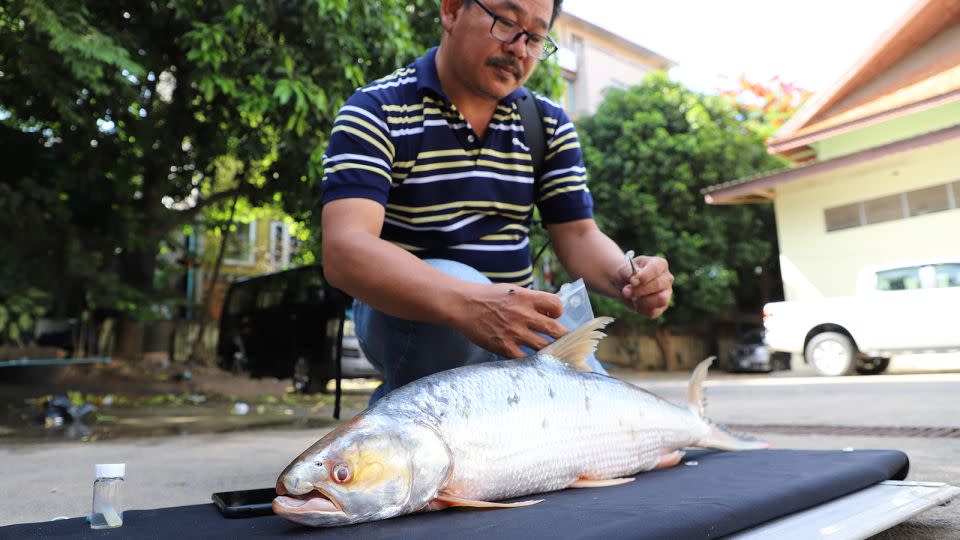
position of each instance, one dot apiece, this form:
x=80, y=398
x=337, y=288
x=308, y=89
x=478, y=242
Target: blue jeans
x=405, y=351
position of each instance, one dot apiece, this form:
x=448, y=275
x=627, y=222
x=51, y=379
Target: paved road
x=54, y=479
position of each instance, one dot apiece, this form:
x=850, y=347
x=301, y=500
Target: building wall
x=816, y=263
x=602, y=60
x=605, y=68
x=264, y=255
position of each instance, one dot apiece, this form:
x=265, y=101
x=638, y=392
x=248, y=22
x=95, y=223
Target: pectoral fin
x=670, y=460
x=587, y=483
x=444, y=500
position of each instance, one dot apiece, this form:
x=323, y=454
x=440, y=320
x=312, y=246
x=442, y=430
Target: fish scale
x=486, y=432
x=501, y=449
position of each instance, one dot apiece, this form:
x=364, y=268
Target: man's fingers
x=659, y=283
x=546, y=325
x=648, y=269
x=506, y=348
x=547, y=303
x=512, y=351
x=534, y=341
x=653, y=305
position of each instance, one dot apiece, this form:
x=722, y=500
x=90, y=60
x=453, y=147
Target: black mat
x=723, y=493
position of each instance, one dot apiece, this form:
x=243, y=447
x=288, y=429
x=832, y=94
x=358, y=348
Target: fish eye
x=341, y=473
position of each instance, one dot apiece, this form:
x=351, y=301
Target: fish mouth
x=316, y=501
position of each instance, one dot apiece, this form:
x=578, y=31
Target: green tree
x=649, y=151
x=135, y=111
x=135, y=121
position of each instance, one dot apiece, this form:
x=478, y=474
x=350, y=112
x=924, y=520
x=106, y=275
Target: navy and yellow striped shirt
x=399, y=141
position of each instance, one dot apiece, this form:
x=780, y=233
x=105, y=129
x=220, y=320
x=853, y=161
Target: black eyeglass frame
x=547, y=40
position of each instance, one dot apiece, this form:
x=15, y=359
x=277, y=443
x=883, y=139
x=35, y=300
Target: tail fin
x=695, y=391
x=722, y=439
x=718, y=437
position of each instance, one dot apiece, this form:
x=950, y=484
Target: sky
x=811, y=43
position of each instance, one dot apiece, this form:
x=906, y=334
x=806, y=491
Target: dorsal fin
x=574, y=347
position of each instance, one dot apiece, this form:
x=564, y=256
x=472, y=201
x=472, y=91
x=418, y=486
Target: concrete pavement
x=55, y=479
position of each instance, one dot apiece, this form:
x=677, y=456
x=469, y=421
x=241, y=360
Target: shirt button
x=471, y=138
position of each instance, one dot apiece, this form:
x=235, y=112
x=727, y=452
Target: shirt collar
x=428, y=79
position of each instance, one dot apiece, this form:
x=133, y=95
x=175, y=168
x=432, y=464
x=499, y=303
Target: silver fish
x=481, y=433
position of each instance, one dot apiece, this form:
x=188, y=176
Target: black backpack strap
x=532, y=118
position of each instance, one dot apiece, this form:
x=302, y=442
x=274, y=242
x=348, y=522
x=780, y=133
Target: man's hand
x=648, y=291
x=500, y=318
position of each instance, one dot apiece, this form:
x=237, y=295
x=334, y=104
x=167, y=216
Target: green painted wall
x=886, y=132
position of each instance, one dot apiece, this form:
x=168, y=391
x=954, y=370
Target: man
x=428, y=195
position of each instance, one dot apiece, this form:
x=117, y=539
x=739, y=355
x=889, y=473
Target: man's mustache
x=499, y=61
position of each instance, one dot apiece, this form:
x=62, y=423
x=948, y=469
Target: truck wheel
x=831, y=354
x=306, y=379
x=874, y=365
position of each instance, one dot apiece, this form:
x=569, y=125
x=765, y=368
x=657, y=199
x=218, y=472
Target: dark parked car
x=285, y=325
x=751, y=353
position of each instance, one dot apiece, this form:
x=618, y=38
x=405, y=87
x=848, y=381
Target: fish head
x=367, y=469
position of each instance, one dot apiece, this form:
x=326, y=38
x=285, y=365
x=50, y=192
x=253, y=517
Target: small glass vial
x=107, y=508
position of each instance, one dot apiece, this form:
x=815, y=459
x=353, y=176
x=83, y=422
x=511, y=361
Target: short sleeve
x=359, y=157
x=562, y=193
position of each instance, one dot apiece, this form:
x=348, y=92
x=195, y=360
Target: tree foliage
x=650, y=150
x=765, y=106
x=128, y=122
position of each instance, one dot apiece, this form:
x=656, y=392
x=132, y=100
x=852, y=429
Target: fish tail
x=718, y=436
x=695, y=396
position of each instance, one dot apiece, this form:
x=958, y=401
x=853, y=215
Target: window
x=241, y=300
x=576, y=45
x=271, y=293
x=309, y=286
x=946, y=275
x=899, y=279
x=884, y=209
x=241, y=243
x=928, y=200
x=279, y=244
x=843, y=217
x=619, y=85
x=571, y=95
x=892, y=207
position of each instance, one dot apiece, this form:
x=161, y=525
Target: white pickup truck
x=903, y=309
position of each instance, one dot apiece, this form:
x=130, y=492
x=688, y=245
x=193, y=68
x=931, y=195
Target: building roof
x=845, y=106
x=825, y=113
x=759, y=188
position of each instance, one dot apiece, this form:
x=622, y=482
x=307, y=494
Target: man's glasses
x=509, y=31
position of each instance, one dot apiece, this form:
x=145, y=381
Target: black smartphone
x=245, y=503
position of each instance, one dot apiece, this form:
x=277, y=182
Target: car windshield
x=899, y=279
x=946, y=275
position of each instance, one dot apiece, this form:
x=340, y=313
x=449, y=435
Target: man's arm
x=585, y=251
x=497, y=317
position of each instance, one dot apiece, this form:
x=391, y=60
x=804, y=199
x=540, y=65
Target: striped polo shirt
x=449, y=195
